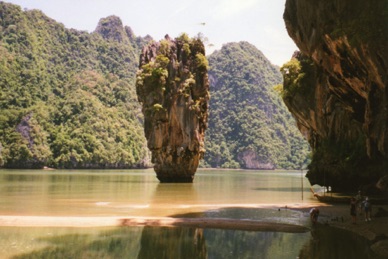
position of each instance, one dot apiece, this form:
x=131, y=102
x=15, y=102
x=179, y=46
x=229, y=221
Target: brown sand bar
x=62, y=221
x=220, y=223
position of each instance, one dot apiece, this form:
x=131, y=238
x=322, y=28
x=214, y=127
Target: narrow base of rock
x=175, y=179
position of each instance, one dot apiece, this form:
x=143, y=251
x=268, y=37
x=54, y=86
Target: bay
x=241, y=194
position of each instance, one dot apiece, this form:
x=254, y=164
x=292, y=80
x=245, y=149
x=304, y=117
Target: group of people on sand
x=357, y=204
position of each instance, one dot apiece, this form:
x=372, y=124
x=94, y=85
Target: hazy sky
x=259, y=22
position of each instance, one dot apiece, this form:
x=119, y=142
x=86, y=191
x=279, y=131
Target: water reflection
x=327, y=242
x=133, y=193
x=117, y=243
x=246, y=244
x=166, y=243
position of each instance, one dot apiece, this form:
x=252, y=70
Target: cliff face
x=336, y=88
x=172, y=85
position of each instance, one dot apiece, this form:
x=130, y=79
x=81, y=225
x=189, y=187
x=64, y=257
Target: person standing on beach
x=367, y=209
x=314, y=213
x=353, y=211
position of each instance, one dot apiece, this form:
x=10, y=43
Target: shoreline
x=331, y=215
x=85, y=222
x=374, y=231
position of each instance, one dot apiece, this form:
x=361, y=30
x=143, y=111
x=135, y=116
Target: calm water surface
x=139, y=193
x=214, y=193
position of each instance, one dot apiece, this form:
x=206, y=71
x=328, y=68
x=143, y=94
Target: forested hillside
x=249, y=125
x=67, y=97
x=68, y=100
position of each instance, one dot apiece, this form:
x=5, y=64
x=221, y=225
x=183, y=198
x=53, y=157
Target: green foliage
x=74, y=94
x=78, y=89
x=186, y=49
x=164, y=48
x=247, y=115
x=201, y=62
x=153, y=77
x=184, y=37
x=292, y=76
x=298, y=75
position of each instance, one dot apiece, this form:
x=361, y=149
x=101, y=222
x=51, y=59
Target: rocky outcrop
x=28, y=154
x=382, y=184
x=24, y=128
x=172, y=85
x=336, y=88
x=111, y=28
x=252, y=160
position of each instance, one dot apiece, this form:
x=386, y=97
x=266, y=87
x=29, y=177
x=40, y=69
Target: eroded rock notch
x=172, y=85
x=336, y=88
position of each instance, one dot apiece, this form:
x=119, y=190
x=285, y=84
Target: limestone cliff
x=172, y=85
x=336, y=88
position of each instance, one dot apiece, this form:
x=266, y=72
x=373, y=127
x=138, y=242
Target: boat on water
x=330, y=198
x=345, y=199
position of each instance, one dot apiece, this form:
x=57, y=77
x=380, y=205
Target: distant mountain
x=68, y=97
x=68, y=100
x=249, y=125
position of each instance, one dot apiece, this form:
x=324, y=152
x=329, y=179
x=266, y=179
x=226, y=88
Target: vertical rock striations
x=172, y=85
x=336, y=87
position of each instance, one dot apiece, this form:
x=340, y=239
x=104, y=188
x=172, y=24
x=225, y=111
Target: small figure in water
x=353, y=210
x=314, y=213
x=367, y=209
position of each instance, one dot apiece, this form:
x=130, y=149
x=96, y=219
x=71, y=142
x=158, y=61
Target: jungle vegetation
x=68, y=99
x=247, y=115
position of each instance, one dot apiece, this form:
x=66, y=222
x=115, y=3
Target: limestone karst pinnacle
x=173, y=87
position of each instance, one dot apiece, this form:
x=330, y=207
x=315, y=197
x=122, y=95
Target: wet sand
x=220, y=223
